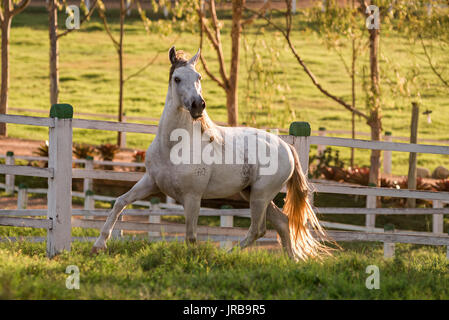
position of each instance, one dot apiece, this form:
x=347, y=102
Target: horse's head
x=185, y=83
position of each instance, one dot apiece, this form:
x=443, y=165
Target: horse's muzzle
x=197, y=108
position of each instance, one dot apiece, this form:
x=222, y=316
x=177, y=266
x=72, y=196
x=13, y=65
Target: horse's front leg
x=192, y=204
x=142, y=189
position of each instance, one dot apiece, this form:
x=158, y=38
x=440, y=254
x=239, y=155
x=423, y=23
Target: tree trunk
x=120, y=59
x=354, y=57
x=375, y=117
x=54, y=51
x=232, y=92
x=6, y=27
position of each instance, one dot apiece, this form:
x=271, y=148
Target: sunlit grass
x=140, y=270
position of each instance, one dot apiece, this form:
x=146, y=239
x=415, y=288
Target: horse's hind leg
x=280, y=222
x=258, y=203
x=142, y=189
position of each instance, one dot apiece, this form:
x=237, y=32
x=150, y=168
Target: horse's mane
x=210, y=128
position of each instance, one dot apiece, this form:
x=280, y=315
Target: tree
x=53, y=6
x=119, y=48
x=373, y=117
x=9, y=10
x=335, y=23
x=427, y=24
x=212, y=30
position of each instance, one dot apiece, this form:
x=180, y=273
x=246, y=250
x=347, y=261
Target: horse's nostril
x=203, y=104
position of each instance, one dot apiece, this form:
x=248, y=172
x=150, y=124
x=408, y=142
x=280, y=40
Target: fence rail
x=60, y=173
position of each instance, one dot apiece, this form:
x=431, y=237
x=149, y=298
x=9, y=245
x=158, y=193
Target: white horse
x=188, y=183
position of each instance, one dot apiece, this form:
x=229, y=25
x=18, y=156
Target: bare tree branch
x=432, y=66
x=20, y=7
x=286, y=33
x=108, y=30
x=261, y=11
x=86, y=17
x=203, y=62
x=135, y=74
x=216, y=41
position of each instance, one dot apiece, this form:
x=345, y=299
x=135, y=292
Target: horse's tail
x=301, y=216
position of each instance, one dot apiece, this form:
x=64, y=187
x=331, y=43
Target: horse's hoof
x=97, y=250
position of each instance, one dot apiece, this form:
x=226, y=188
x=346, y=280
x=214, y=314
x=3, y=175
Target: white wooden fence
x=58, y=220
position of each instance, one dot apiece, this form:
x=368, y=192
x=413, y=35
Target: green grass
x=141, y=270
x=89, y=81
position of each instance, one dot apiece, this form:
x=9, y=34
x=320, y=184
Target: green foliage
x=107, y=151
x=83, y=150
x=329, y=158
x=263, y=65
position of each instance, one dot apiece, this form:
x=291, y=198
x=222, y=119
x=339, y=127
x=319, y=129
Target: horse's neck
x=175, y=117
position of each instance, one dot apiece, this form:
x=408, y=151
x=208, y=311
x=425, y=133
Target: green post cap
x=155, y=200
x=226, y=206
x=372, y=184
x=389, y=227
x=61, y=111
x=388, y=133
x=89, y=158
x=23, y=186
x=10, y=154
x=322, y=129
x=299, y=129
x=89, y=193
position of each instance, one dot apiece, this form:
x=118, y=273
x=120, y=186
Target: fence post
x=322, y=133
x=117, y=233
x=154, y=219
x=437, y=219
x=169, y=200
x=89, y=202
x=22, y=197
x=301, y=131
x=228, y=222
x=411, y=203
x=387, y=153
x=88, y=182
x=9, y=178
x=59, y=236
x=371, y=202
x=389, y=247
x=123, y=134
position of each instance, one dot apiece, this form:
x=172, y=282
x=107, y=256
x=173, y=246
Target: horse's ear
x=172, y=55
x=195, y=58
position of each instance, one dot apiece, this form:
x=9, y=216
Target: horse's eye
x=199, y=77
x=177, y=80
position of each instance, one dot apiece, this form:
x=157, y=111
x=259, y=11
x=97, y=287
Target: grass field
x=139, y=270
x=89, y=80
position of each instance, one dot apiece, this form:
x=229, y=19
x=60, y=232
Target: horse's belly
x=227, y=180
